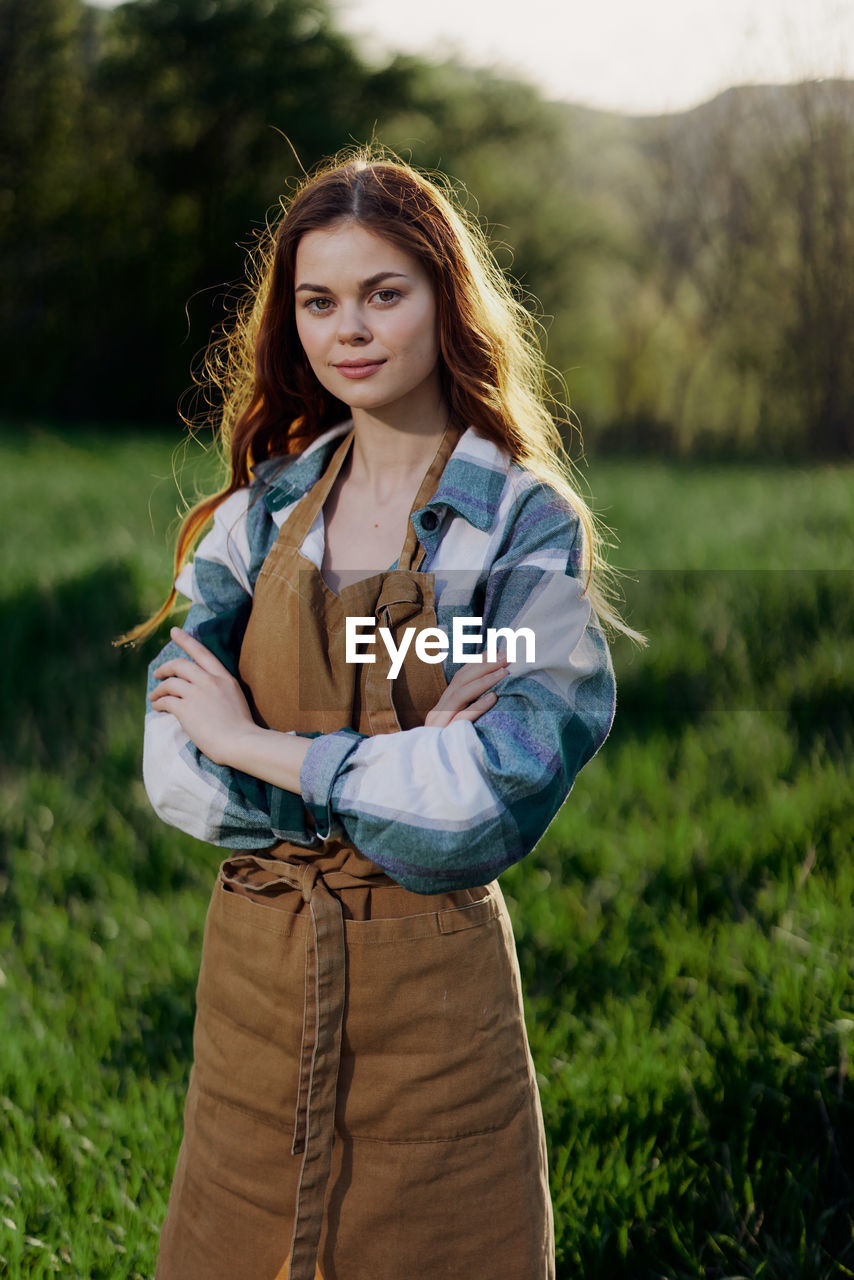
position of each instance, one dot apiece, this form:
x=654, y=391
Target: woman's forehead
x=352, y=252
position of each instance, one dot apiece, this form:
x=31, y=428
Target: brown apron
x=362, y=1104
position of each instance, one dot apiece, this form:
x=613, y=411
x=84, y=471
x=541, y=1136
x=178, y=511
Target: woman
x=363, y=1101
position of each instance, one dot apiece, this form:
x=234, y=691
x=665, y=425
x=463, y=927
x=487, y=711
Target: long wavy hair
x=494, y=377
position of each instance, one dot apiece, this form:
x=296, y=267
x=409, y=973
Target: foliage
x=745, y=221
x=684, y=928
x=692, y=272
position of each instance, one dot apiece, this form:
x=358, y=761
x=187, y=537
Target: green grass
x=694, y=516
x=685, y=927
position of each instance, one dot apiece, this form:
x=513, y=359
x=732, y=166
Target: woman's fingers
x=170, y=687
x=465, y=694
x=471, y=681
x=183, y=667
x=197, y=652
x=478, y=678
x=166, y=702
x=477, y=708
x=205, y=699
x=198, y=690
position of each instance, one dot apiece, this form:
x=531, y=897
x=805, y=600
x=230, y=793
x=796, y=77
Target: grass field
x=685, y=928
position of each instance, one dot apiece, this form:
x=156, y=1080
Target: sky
x=637, y=56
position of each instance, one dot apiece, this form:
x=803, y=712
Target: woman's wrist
x=269, y=755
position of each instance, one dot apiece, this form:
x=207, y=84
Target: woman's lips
x=360, y=370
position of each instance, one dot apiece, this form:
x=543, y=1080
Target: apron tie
x=320, y=1051
x=405, y=596
x=400, y=599
x=308, y=877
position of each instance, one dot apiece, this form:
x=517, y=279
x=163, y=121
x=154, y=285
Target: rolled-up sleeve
x=215, y=803
x=440, y=809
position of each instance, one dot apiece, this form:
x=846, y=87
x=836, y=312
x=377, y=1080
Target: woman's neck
x=388, y=455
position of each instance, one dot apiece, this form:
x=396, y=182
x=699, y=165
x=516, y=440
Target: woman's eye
x=318, y=305
x=386, y=295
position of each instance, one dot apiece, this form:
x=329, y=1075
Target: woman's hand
x=204, y=698
x=469, y=693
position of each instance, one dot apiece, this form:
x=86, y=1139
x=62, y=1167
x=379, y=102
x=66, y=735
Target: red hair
x=493, y=374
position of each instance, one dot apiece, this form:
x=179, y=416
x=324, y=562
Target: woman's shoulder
x=518, y=492
x=281, y=480
x=483, y=453
x=481, y=478
x=505, y=514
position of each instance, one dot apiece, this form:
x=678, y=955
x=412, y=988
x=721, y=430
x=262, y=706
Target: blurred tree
x=194, y=97
x=145, y=174
x=699, y=221
x=814, y=199
x=44, y=46
x=747, y=228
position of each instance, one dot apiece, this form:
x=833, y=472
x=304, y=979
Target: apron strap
x=412, y=548
x=305, y=512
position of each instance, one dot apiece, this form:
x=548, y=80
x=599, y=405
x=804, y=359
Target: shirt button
x=429, y=520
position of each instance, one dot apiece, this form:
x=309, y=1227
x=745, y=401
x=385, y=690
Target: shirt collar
x=471, y=483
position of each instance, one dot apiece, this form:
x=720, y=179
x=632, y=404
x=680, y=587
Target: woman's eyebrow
x=366, y=284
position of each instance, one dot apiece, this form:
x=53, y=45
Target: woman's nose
x=353, y=325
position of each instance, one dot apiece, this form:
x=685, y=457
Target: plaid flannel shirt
x=436, y=808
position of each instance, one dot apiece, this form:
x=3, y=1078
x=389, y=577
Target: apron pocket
x=249, y=1007
x=434, y=1044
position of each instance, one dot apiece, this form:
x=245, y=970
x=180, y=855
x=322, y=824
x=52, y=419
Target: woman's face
x=366, y=318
